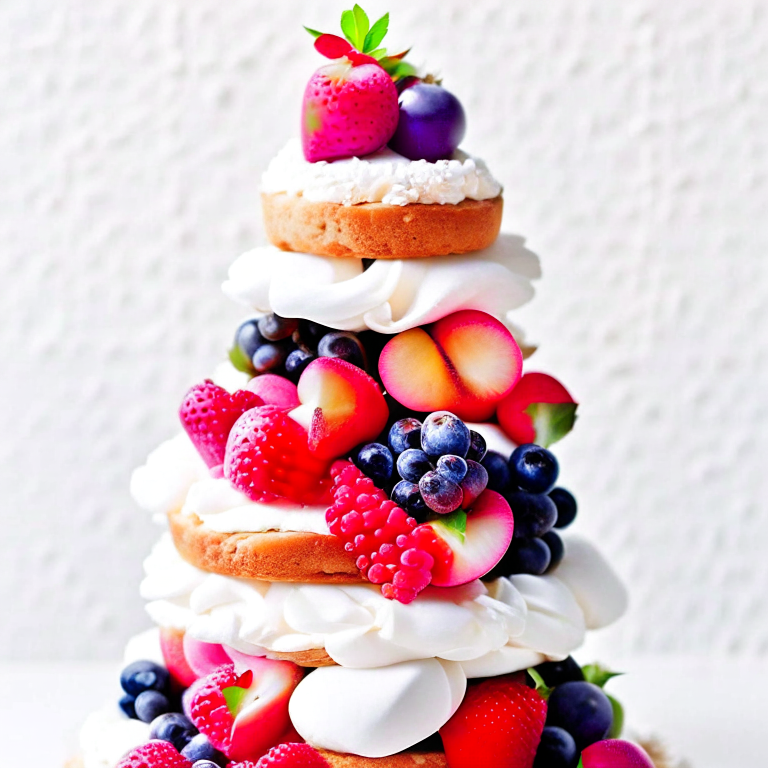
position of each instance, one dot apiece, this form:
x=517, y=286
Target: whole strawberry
x=292, y=756
x=350, y=107
x=498, y=725
x=268, y=457
x=154, y=754
x=208, y=413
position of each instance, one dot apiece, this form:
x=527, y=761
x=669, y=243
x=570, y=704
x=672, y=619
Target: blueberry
x=248, y=339
x=375, y=461
x=477, y=446
x=556, y=549
x=533, y=468
x=557, y=749
x=200, y=749
x=128, y=704
x=404, y=434
x=439, y=493
x=452, y=467
x=524, y=556
x=296, y=362
x=173, y=727
x=151, y=704
x=141, y=676
x=558, y=672
x=583, y=710
x=534, y=513
x=207, y=764
x=412, y=464
x=275, y=328
x=566, y=506
x=408, y=497
x=498, y=471
x=309, y=334
x=343, y=345
x=444, y=433
x=474, y=482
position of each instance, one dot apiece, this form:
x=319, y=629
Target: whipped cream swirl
x=391, y=295
x=383, y=177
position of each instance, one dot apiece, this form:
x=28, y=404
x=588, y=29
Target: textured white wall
x=631, y=138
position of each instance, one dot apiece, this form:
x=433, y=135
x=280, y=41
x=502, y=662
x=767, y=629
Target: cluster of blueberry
x=437, y=463
x=286, y=346
x=527, y=481
x=579, y=713
x=149, y=697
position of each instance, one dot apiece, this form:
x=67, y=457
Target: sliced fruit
x=478, y=540
x=341, y=407
x=538, y=410
x=465, y=363
x=204, y=658
x=615, y=753
x=172, y=646
x=275, y=390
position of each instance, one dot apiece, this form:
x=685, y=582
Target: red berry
x=390, y=548
x=208, y=413
x=268, y=457
x=498, y=725
x=289, y=756
x=154, y=754
x=208, y=708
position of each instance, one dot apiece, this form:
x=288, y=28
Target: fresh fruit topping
x=404, y=434
x=172, y=647
x=474, y=483
x=583, y=710
x=557, y=749
x=274, y=390
x=204, y=658
x=341, y=407
x=408, y=496
x=207, y=414
x=464, y=363
x=477, y=540
x=477, y=446
x=535, y=513
x=268, y=456
x=211, y=764
x=375, y=461
x=244, y=715
x=566, y=506
x=534, y=469
x=154, y=754
x=275, y=328
x=523, y=556
x=140, y=676
x=538, y=410
x=445, y=434
x=498, y=725
x=292, y=756
x=556, y=549
x=151, y=704
x=440, y=494
x=555, y=673
x=453, y=468
x=431, y=124
x=497, y=467
x=345, y=346
x=174, y=727
x=614, y=753
x=413, y=464
x=269, y=357
x=381, y=535
x=199, y=749
x=296, y=362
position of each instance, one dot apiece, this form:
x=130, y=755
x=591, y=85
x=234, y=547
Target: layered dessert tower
x=364, y=563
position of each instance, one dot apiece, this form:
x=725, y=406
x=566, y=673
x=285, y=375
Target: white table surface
x=711, y=711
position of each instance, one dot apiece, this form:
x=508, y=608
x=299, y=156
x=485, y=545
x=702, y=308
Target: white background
x=631, y=139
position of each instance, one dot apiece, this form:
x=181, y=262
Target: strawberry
x=498, y=725
x=208, y=413
x=208, y=708
x=291, y=756
x=268, y=456
x=154, y=754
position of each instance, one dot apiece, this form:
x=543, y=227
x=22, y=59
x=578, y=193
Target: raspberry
x=390, y=548
x=208, y=709
x=290, y=756
x=208, y=413
x=154, y=754
x=268, y=456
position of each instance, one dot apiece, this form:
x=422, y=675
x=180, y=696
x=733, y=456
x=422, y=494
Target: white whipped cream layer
x=383, y=177
x=390, y=296
x=107, y=735
x=507, y=625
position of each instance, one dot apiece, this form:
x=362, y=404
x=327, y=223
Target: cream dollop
x=383, y=177
x=492, y=629
x=107, y=735
x=391, y=295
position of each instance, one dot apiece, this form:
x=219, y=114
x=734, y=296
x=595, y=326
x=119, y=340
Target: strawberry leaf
x=332, y=46
x=397, y=69
x=378, y=54
x=598, y=675
x=618, y=718
x=362, y=25
x=456, y=522
x=234, y=696
x=376, y=34
x=552, y=421
x=239, y=360
x=581, y=763
x=541, y=687
x=313, y=32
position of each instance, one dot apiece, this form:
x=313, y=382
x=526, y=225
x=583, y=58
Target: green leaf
x=379, y=53
x=313, y=32
x=552, y=421
x=348, y=25
x=396, y=68
x=456, y=523
x=598, y=675
x=362, y=25
x=581, y=763
x=541, y=687
x=376, y=34
x=618, y=718
x=239, y=360
x=234, y=696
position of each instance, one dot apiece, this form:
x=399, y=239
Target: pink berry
x=154, y=754
x=291, y=756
